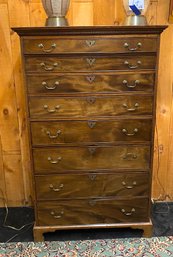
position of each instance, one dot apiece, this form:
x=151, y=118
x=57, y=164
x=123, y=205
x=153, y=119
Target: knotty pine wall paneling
x=163, y=121
x=15, y=177
x=12, y=171
x=82, y=12
x=158, y=13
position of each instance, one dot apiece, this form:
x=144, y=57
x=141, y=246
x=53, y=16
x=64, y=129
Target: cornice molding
x=88, y=30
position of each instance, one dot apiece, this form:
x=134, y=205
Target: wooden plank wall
x=15, y=178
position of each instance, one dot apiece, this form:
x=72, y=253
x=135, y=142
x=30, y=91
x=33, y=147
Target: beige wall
x=15, y=181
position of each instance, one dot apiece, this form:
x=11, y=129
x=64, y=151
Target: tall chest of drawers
x=91, y=94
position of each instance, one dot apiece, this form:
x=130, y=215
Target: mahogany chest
x=91, y=97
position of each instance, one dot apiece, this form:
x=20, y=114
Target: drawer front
x=90, y=158
x=47, y=107
x=91, y=185
x=94, y=63
x=90, y=131
x=95, y=211
x=90, y=83
x=89, y=45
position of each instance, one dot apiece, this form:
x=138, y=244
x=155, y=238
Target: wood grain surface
x=89, y=63
x=92, y=185
x=89, y=44
x=91, y=132
x=89, y=106
x=90, y=83
x=62, y=159
x=91, y=211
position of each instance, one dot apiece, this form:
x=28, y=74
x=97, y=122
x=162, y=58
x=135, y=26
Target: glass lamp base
x=56, y=22
x=135, y=20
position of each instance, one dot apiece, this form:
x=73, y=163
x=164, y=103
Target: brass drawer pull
x=44, y=83
x=127, y=186
x=130, y=134
x=57, y=215
x=90, y=43
x=48, y=68
x=90, y=61
x=128, y=213
x=52, y=47
x=51, y=186
x=53, y=136
x=131, y=109
x=139, y=44
x=130, y=156
x=136, y=82
x=46, y=107
x=131, y=66
x=53, y=161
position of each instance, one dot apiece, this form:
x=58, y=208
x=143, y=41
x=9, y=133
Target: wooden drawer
x=92, y=185
x=90, y=83
x=57, y=64
x=90, y=106
x=95, y=211
x=53, y=160
x=90, y=131
x=43, y=45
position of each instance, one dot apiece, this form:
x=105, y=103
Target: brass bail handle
x=56, y=189
x=128, y=213
x=133, y=66
x=48, y=50
x=129, y=186
x=48, y=67
x=136, y=82
x=50, y=87
x=129, y=134
x=132, y=49
x=130, y=156
x=131, y=109
x=57, y=215
x=58, y=133
x=47, y=108
x=54, y=161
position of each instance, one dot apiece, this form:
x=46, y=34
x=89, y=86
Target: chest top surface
x=88, y=30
